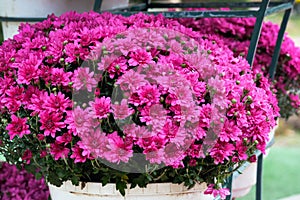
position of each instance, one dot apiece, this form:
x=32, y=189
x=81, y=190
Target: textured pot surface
x=161, y=191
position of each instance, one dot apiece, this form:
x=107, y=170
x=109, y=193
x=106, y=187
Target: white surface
x=244, y=182
x=160, y=191
x=41, y=8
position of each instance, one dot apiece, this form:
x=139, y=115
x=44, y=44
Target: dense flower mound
x=20, y=185
x=89, y=96
x=236, y=33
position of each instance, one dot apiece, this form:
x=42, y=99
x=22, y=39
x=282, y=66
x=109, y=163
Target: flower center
x=18, y=127
x=49, y=124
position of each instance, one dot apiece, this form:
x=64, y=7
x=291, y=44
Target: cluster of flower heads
x=101, y=86
x=236, y=34
x=20, y=185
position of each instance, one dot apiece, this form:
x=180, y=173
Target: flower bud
x=117, y=67
x=165, y=36
x=258, y=76
x=252, y=158
x=233, y=101
x=183, y=65
x=161, y=99
x=249, y=98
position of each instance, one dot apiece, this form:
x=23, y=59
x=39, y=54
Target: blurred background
x=280, y=172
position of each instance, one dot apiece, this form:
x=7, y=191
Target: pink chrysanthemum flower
x=121, y=111
x=77, y=155
x=13, y=94
x=131, y=80
x=83, y=79
x=51, y=122
x=117, y=67
x=230, y=132
x=57, y=102
x=18, y=127
x=154, y=115
x=29, y=70
x=64, y=139
x=93, y=144
x=60, y=77
x=148, y=94
x=117, y=149
x=27, y=155
x=222, y=192
x=37, y=101
x=221, y=152
x=100, y=107
x=59, y=151
x=77, y=120
x=140, y=57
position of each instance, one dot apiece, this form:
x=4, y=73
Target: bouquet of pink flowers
x=137, y=100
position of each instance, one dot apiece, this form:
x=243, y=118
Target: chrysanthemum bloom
x=18, y=127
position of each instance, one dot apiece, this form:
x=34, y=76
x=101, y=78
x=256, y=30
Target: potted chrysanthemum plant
x=140, y=105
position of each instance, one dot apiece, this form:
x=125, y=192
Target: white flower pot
x=242, y=185
x=159, y=191
x=42, y=8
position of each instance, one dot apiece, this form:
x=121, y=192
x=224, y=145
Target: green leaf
x=75, y=180
x=124, y=177
x=133, y=185
x=105, y=180
x=38, y=176
x=121, y=186
x=54, y=180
